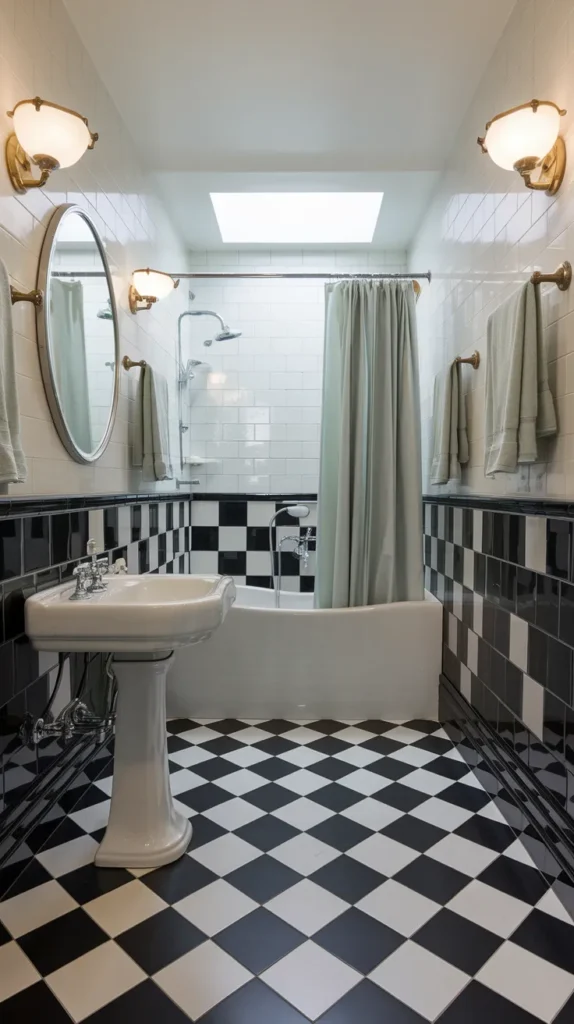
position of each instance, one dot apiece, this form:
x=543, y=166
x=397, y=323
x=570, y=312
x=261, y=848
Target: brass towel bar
x=35, y=296
x=128, y=363
x=562, y=277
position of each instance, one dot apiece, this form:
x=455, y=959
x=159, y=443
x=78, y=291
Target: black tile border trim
x=292, y=499
x=523, y=505
x=11, y=508
x=545, y=816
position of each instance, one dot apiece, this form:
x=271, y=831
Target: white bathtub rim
x=289, y=594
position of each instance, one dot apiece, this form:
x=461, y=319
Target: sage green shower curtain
x=68, y=353
x=369, y=528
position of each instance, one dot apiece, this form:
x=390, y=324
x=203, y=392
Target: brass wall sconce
x=46, y=135
x=526, y=138
x=149, y=286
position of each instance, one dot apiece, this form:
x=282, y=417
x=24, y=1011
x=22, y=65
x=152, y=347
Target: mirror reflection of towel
x=68, y=359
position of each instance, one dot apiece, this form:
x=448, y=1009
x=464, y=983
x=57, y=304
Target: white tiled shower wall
x=485, y=233
x=41, y=54
x=254, y=411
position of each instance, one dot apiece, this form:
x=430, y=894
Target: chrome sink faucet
x=89, y=575
x=98, y=568
x=81, y=574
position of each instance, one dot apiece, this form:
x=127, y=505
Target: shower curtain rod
x=296, y=274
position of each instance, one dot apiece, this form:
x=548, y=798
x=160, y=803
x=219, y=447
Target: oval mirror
x=78, y=334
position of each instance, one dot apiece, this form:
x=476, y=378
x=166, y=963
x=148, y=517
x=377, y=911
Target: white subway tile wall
x=41, y=54
x=254, y=411
x=485, y=233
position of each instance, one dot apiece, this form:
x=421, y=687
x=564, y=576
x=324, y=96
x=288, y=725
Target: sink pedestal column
x=144, y=828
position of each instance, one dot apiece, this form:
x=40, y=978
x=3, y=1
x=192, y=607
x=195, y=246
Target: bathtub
x=298, y=662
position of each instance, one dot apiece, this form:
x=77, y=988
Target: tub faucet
x=302, y=550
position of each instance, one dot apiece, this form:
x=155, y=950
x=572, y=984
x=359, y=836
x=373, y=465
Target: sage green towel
x=519, y=404
x=151, y=448
x=12, y=460
x=450, y=435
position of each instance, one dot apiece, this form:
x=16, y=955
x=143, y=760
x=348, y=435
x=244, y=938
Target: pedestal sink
x=140, y=619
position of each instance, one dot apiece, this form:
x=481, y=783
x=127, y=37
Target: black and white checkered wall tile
x=41, y=542
x=154, y=537
x=506, y=581
x=231, y=536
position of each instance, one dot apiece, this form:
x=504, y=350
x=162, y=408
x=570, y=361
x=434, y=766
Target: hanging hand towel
x=12, y=460
x=450, y=437
x=519, y=404
x=151, y=428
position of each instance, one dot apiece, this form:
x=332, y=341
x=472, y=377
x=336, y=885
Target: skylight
x=297, y=217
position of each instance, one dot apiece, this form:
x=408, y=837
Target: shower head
x=226, y=335
x=297, y=511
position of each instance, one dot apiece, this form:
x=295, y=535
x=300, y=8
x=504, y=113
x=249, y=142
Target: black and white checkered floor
x=341, y=873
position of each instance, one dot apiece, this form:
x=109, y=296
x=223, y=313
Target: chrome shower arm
x=207, y=312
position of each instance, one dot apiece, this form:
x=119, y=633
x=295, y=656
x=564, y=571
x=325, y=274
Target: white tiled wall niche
x=255, y=410
x=485, y=233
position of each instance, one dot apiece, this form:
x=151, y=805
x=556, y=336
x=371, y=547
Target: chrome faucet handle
x=119, y=567
x=82, y=573
x=97, y=568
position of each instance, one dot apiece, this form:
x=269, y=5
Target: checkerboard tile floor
x=338, y=872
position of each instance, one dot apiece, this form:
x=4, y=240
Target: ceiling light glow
x=296, y=217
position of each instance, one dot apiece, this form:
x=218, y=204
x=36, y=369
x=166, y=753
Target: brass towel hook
x=128, y=363
x=473, y=360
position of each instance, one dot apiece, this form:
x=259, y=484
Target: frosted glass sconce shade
x=149, y=286
x=46, y=135
x=526, y=138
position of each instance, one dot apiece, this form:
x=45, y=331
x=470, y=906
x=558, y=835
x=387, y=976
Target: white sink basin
x=135, y=613
x=140, y=619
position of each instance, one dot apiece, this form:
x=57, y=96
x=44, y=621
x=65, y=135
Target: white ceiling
x=292, y=94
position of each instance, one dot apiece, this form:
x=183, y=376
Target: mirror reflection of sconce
x=46, y=135
x=526, y=138
x=149, y=286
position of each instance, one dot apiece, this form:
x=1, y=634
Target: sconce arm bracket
x=134, y=298
x=552, y=169
x=19, y=167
